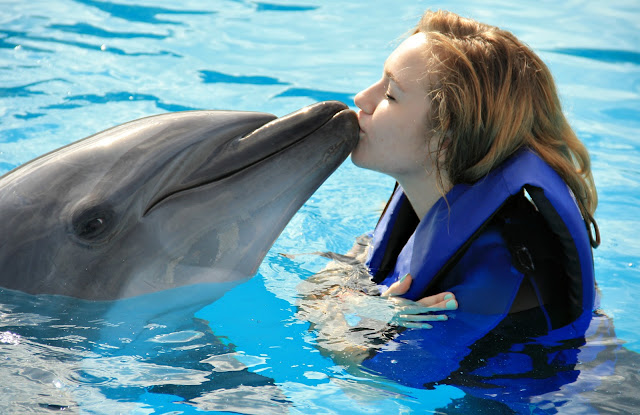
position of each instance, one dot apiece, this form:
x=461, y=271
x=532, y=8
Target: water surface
x=69, y=69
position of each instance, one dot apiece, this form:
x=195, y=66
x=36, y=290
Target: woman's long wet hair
x=492, y=95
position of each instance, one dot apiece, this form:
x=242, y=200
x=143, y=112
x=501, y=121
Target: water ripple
x=25, y=90
x=10, y=45
x=28, y=116
x=87, y=29
x=20, y=91
x=316, y=94
x=213, y=77
x=603, y=55
x=83, y=45
x=629, y=115
x=109, y=97
x=137, y=13
x=271, y=7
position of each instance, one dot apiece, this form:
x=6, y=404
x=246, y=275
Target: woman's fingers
x=416, y=314
x=415, y=317
x=416, y=321
x=439, y=302
x=411, y=325
x=399, y=287
x=421, y=317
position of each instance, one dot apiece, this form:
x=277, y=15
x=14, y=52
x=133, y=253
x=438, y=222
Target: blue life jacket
x=460, y=247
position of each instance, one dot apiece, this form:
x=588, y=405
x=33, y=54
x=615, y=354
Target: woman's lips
x=362, y=131
x=360, y=123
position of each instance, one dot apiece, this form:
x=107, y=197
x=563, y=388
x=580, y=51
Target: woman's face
x=393, y=112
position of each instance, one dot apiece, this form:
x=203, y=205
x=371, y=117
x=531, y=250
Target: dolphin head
x=165, y=201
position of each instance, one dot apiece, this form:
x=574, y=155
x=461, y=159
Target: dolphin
x=166, y=201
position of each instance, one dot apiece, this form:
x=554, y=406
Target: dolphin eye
x=94, y=224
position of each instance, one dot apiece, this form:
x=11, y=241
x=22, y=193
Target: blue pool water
x=69, y=69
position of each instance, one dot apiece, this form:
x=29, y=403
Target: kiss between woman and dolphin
x=166, y=201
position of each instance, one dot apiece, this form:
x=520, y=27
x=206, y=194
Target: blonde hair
x=492, y=95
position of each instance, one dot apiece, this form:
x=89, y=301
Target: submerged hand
x=413, y=314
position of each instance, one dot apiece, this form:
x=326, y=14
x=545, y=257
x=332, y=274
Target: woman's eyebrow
x=393, y=78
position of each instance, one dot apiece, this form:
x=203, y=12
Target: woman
x=494, y=199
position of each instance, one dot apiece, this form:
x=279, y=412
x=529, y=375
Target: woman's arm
x=351, y=325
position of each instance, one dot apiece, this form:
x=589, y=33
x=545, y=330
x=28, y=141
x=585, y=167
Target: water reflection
x=245, y=399
x=74, y=352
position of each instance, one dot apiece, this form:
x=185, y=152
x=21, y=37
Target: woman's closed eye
x=388, y=96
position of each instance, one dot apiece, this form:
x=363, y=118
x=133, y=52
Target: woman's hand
x=414, y=314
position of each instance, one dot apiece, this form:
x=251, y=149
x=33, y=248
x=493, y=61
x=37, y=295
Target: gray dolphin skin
x=165, y=201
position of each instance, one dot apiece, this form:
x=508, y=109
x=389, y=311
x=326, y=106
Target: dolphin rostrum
x=165, y=201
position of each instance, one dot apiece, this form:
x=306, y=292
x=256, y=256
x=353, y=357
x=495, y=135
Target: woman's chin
x=362, y=162
x=363, y=157
x=356, y=157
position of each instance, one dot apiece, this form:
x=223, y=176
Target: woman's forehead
x=407, y=64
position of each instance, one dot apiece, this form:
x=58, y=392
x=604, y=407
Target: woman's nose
x=365, y=101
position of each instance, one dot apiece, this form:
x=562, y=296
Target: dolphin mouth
x=257, y=146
